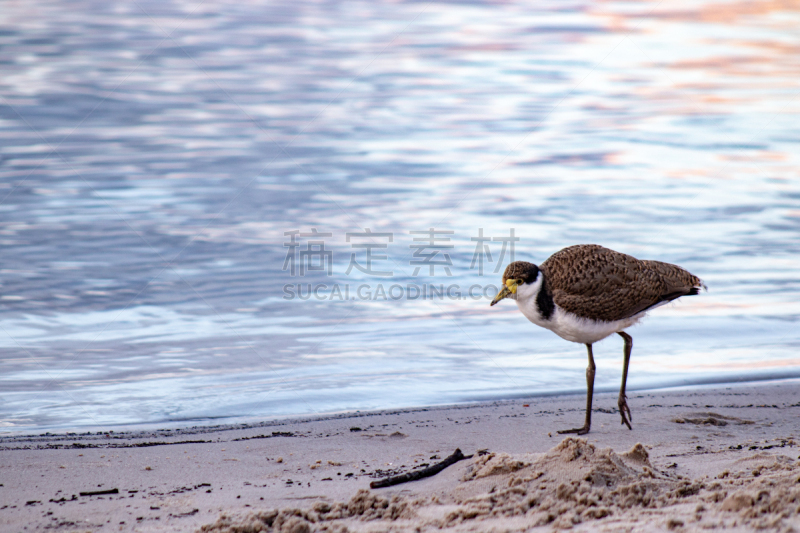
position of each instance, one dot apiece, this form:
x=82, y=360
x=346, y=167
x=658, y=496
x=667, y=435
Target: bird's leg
x=622, y=401
x=589, y=392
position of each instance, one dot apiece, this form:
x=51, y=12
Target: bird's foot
x=625, y=411
x=580, y=431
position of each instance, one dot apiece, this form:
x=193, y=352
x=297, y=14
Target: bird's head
x=516, y=274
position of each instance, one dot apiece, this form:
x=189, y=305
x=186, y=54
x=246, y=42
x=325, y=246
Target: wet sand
x=723, y=456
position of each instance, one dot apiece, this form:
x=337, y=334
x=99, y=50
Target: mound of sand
x=571, y=486
x=571, y=483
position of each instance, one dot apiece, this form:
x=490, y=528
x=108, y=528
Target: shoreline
x=186, y=478
x=252, y=421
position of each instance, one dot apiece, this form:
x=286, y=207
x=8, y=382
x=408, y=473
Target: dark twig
x=99, y=492
x=420, y=474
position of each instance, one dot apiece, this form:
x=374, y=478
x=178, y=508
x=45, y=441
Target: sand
x=697, y=459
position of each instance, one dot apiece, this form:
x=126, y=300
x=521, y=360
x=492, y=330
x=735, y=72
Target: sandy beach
x=226, y=225
x=699, y=458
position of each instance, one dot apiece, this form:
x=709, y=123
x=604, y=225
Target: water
x=153, y=155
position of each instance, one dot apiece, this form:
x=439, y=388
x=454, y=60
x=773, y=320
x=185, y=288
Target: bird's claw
x=580, y=431
x=625, y=411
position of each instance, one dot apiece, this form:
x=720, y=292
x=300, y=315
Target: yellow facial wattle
x=512, y=285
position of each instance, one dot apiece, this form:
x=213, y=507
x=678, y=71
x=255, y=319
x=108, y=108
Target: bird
x=585, y=293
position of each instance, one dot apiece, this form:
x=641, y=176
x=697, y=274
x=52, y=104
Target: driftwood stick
x=420, y=474
x=100, y=492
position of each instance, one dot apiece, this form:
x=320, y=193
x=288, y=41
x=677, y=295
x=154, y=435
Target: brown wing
x=595, y=282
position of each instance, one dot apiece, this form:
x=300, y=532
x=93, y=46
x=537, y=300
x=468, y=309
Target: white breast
x=567, y=325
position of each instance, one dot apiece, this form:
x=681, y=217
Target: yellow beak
x=510, y=288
